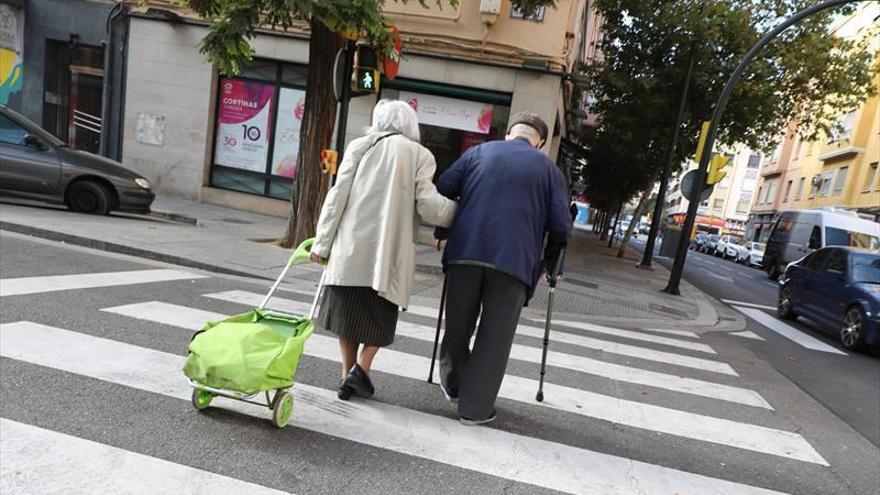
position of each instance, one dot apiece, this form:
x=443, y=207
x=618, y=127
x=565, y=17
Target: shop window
x=452, y=119
x=257, y=123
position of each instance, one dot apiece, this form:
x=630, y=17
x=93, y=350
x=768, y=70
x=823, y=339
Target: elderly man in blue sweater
x=512, y=205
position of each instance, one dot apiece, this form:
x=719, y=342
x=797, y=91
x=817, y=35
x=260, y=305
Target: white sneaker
x=477, y=422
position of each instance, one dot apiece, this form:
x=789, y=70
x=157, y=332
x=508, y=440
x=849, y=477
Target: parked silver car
x=34, y=164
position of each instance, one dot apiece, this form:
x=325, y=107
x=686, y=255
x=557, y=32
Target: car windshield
x=19, y=121
x=866, y=268
x=712, y=237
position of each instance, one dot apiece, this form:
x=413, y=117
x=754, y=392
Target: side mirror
x=31, y=141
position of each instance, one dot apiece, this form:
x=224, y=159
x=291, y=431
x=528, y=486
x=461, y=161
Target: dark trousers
x=477, y=373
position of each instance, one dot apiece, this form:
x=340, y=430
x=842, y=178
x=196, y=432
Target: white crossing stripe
x=632, y=335
x=788, y=331
x=35, y=285
x=679, y=333
x=561, y=360
x=571, y=400
x=747, y=334
x=547, y=464
x=36, y=460
x=609, y=347
x=748, y=304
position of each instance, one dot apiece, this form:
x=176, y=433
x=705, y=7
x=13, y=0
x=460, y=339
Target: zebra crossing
x=690, y=368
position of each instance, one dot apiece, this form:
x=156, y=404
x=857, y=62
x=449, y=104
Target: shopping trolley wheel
x=201, y=399
x=282, y=410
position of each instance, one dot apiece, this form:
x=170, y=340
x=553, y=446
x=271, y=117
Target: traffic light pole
x=672, y=286
x=344, y=99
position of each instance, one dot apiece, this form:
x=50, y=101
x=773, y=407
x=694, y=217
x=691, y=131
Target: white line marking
x=519, y=458
x=720, y=277
x=628, y=334
x=747, y=334
x=34, y=285
x=680, y=333
x=572, y=400
x=775, y=285
x=788, y=331
x=422, y=332
x=748, y=304
x=36, y=460
x=557, y=359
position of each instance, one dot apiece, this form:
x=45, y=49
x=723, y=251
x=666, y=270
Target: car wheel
x=88, y=197
x=785, y=304
x=853, y=329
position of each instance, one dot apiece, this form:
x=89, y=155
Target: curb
x=120, y=249
x=113, y=247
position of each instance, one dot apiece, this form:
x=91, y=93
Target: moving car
x=839, y=288
x=34, y=164
x=797, y=233
x=753, y=254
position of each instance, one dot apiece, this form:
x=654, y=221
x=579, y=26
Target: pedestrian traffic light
x=716, y=169
x=366, y=69
x=367, y=79
x=328, y=161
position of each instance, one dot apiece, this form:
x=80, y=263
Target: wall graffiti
x=11, y=52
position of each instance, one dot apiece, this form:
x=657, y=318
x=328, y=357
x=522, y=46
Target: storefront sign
x=439, y=111
x=291, y=106
x=242, y=139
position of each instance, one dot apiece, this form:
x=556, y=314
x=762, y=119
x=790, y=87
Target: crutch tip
x=540, y=397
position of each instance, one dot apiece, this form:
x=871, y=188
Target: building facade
x=233, y=140
x=837, y=170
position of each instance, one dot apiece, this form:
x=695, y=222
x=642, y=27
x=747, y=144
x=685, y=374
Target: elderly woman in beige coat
x=367, y=235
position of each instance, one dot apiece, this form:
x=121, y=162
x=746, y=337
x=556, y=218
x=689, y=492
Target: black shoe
x=451, y=394
x=359, y=381
x=345, y=392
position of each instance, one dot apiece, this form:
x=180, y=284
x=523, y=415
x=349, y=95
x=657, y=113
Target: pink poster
x=291, y=106
x=243, y=124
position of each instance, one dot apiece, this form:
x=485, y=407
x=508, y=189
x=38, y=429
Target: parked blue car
x=839, y=288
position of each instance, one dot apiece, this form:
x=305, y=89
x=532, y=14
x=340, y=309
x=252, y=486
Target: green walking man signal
x=367, y=79
x=366, y=70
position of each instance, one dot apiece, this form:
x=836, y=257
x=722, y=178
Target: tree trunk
x=315, y=135
x=637, y=214
x=603, y=228
x=616, y=223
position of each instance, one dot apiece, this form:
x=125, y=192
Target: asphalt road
x=847, y=383
x=92, y=400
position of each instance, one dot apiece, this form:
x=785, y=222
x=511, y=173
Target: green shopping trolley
x=251, y=354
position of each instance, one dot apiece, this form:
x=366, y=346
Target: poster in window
x=470, y=116
x=243, y=125
x=291, y=106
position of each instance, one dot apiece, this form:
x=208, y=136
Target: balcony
x=840, y=153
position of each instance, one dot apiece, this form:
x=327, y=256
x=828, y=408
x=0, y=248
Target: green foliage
x=805, y=73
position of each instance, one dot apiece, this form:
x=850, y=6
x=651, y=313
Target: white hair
x=395, y=116
x=526, y=131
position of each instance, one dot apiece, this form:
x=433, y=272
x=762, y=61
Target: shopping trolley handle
x=301, y=253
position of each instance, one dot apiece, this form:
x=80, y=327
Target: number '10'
x=250, y=133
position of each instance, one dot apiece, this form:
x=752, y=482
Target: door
x=830, y=285
x=28, y=168
x=805, y=298
x=85, y=126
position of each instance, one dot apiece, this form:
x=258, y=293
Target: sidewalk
x=597, y=286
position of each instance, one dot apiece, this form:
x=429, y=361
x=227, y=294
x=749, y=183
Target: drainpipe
x=107, y=85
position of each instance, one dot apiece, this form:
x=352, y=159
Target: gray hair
x=395, y=116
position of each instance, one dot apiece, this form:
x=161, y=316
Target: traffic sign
x=690, y=190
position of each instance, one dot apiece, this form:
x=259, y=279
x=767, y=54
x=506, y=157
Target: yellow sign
x=702, y=141
x=716, y=169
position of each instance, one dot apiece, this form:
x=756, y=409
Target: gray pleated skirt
x=358, y=314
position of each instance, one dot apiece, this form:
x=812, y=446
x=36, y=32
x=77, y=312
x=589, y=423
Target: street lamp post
x=672, y=286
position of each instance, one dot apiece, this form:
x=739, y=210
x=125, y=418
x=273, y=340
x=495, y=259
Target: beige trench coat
x=369, y=224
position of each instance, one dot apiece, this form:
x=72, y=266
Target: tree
x=234, y=23
x=806, y=74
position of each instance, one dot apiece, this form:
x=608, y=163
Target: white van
x=797, y=233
